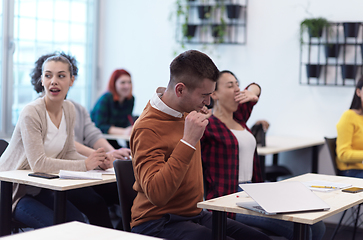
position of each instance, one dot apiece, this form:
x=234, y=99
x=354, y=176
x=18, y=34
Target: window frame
x=7, y=76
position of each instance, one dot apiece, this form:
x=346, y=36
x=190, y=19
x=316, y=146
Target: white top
x=246, y=150
x=56, y=137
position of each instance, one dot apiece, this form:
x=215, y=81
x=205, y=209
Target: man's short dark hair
x=191, y=67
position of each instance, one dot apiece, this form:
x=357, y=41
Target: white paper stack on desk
x=64, y=174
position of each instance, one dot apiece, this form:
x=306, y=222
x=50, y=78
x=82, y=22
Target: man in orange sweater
x=166, y=156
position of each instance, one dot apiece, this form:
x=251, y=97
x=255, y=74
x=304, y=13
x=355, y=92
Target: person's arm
x=247, y=99
x=346, y=128
x=122, y=153
x=120, y=131
x=83, y=149
x=255, y=89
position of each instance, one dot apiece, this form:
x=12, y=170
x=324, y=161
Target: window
x=45, y=26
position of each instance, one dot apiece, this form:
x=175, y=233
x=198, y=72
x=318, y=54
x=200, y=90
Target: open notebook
x=281, y=197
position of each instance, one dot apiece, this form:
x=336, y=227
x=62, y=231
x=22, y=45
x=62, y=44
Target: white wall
x=138, y=36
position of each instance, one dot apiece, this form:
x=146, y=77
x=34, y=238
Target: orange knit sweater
x=168, y=173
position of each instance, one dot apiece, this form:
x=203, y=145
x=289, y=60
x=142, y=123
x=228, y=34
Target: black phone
x=353, y=190
x=43, y=175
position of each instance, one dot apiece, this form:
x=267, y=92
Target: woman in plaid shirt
x=229, y=151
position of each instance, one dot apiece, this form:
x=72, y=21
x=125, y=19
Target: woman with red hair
x=112, y=112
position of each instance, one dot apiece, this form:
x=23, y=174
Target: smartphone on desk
x=353, y=190
x=43, y=175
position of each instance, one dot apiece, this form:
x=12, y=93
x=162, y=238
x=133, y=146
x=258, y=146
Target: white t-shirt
x=246, y=150
x=56, y=137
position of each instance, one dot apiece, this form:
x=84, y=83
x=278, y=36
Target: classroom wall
x=140, y=37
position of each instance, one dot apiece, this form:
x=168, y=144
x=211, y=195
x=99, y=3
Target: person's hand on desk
x=97, y=158
x=122, y=153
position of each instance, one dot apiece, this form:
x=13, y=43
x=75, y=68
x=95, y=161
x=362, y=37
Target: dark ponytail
x=357, y=101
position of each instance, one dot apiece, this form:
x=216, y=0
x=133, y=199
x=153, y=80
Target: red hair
x=111, y=84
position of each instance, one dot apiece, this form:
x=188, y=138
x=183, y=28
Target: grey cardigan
x=85, y=131
x=26, y=147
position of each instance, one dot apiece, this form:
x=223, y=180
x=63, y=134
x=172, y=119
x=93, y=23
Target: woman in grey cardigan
x=43, y=141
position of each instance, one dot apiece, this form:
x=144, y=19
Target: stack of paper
x=63, y=174
x=324, y=186
x=108, y=171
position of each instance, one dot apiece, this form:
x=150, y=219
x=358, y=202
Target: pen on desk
x=324, y=187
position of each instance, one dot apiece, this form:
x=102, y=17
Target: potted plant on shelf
x=332, y=50
x=349, y=71
x=219, y=30
x=314, y=26
x=204, y=11
x=233, y=11
x=351, y=29
x=313, y=70
x=182, y=13
x=189, y=30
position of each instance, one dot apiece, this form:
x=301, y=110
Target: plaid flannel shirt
x=220, y=156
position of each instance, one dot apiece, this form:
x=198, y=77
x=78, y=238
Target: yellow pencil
x=324, y=187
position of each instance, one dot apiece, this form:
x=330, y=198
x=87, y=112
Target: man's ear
x=180, y=89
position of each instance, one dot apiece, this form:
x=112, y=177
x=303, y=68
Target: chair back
x=3, y=145
x=125, y=180
x=259, y=134
x=332, y=145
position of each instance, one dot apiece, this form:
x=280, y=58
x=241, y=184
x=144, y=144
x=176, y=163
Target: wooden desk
x=60, y=186
x=116, y=137
x=337, y=200
x=77, y=231
x=278, y=144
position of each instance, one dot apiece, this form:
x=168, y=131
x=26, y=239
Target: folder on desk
x=281, y=197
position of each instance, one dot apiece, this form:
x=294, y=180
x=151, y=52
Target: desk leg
x=301, y=231
x=219, y=225
x=262, y=166
x=314, y=163
x=60, y=199
x=5, y=209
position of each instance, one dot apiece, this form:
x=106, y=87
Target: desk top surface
x=21, y=176
x=76, y=231
x=277, y=144
x=337, y=200
x=116, y=137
